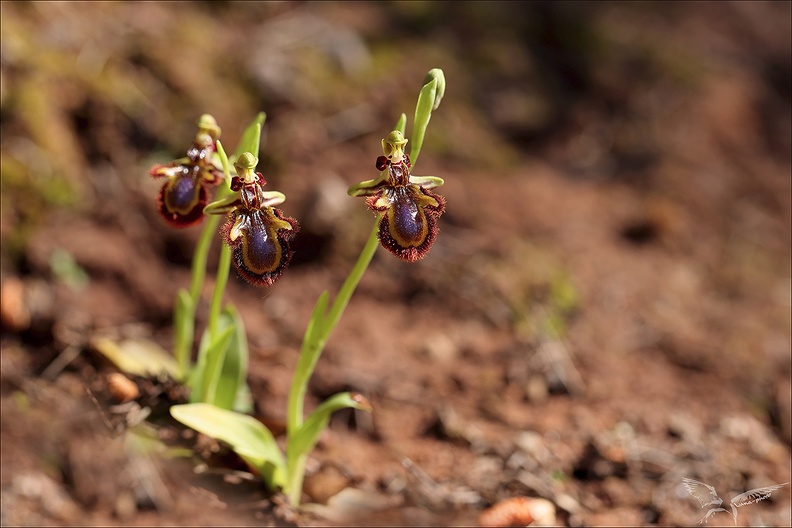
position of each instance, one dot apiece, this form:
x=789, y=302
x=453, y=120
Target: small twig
x=63, y=359
x=444, y=493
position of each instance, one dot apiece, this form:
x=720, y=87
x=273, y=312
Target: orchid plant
x=406, y=225
x=257, y=240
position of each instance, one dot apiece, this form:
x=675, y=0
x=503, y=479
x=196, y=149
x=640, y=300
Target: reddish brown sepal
x=262, y=250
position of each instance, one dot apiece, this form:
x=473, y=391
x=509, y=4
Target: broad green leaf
x=251, y=137
x=137, y=356
x=233, y=373
x=248, y=437
x=304, y=441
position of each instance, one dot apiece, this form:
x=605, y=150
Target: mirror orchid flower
x=408, y=209
x=184, y=194
x=258, y=233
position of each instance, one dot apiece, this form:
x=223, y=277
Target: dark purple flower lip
x=260, y=240
x=408, y=225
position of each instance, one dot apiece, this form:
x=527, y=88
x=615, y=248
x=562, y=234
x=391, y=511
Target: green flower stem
x=221, y=279
x=184, y=333
x=223, y=268
x=319, y=329
x=296, y=476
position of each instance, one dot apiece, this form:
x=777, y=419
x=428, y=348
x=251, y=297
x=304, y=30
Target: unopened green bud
x=208, y=125
x=436, y=74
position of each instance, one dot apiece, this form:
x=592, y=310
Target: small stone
x=121, y=388
x=519, y=511
x=536, y=390
x=325, y=483
x=14, y=312
x=439, y=347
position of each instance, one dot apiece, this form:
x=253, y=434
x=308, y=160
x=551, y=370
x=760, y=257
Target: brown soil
x=606, y=309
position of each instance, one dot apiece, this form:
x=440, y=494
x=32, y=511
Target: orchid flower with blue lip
x=184, y=194
x=408, y=209
x=258, y=233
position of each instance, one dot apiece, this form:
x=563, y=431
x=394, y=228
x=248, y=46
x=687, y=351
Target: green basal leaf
x=195, y=382
x=401, y=124
x=215, y=355
x=233, y=373
x=248, y=437
x=251, y=137
x=201, y=383
x=183, y=328
x=304, y=441
x=137, y=356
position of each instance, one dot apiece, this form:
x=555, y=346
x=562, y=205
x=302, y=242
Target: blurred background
x=606, y=309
